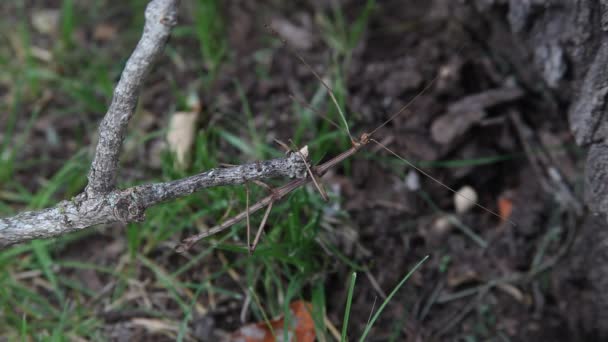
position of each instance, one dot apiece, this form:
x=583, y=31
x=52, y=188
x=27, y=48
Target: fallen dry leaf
x=182, y=131
x=465, y=113
x=505, y=207
x=301, y=329
x=461, y=274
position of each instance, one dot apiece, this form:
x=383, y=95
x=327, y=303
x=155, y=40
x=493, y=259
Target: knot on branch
x=298, y=162
x=128, y=207
x=162, y=11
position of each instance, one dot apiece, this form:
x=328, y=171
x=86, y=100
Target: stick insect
x=317, y=171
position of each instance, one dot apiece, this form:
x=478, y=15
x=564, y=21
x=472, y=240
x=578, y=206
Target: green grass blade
x=209, y=28
x=318, y=309
x=46, y=263
x=388, y=299
x=67, y=22
x=349, y=301
x=188, y=314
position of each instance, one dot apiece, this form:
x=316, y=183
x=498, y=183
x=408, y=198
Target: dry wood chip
x=46, y=21
x=462, y=115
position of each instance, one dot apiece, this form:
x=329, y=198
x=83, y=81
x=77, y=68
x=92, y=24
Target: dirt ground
x=472, y=122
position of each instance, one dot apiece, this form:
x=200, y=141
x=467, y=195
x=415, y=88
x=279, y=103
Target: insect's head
x=364, y=138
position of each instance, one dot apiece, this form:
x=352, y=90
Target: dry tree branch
x=161, y=16
x=101, y=202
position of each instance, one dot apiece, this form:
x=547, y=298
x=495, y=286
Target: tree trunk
x=559, y=49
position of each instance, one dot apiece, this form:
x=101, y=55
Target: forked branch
x=161, y=16
x=101, y=202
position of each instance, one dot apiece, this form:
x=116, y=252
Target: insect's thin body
x=320, y=170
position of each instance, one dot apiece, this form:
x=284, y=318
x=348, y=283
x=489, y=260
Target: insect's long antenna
x=410, y=102
x=443, y=185
x=406, y=106
x=316, y=111
x=327, y=87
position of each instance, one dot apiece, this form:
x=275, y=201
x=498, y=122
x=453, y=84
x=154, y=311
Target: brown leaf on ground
x=301, y=327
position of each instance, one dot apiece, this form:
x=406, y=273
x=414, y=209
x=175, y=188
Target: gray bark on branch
x=129, y=205
x=101, y=202
x=161, y=16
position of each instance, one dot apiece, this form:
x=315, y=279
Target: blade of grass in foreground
x=349, y=301
x=388, y=299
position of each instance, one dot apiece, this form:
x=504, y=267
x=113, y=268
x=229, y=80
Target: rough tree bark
x=101, y=202
x=560, y=48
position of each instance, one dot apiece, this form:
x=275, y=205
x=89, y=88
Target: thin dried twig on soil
x=101, y=202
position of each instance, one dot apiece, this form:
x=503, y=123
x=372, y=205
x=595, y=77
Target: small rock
x=412, y=181
x=465, y=199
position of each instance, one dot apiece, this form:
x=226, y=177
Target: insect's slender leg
x=248, y=221
x=261, y=229
x=283, y=145
x=263, y=185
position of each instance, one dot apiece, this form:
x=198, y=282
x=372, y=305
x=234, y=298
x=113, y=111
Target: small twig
x=375, y=284
x=452, y=321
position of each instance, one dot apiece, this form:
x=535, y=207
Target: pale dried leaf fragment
x=181, y=135
x=46, y=21
x=465, y=199
x=156, y=325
